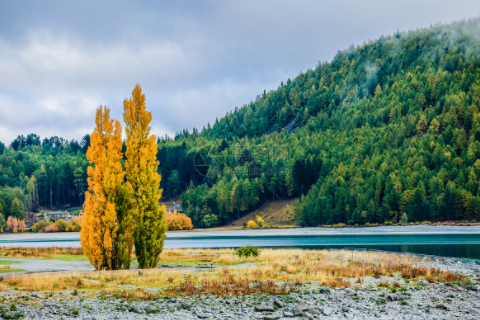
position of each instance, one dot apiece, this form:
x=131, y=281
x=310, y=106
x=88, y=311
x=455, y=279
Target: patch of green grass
x=7, y=262
x=70, y=258
x=8, y=269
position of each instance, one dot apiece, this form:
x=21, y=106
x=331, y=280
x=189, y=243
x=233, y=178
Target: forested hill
x=386, y=128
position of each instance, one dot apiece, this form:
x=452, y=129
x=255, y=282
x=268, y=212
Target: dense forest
x=48, y=173
x=388, y=127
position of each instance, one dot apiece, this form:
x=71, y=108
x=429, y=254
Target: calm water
x=442, y=241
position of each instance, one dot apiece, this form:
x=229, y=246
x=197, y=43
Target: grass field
x=291, y=267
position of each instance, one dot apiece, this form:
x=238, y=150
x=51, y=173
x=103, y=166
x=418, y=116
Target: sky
x=195, y=60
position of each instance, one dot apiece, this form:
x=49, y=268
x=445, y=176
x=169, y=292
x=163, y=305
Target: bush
x=178, y=221
x=61, y=225
x=244, y=224
x=40, y=226
x=426, y=222
x=73, y=226
x=340, y=225
x=404, y=218
x=248, y=251
x=260, y=222
x=388, y=223
x=51, y=228
x=251, y=224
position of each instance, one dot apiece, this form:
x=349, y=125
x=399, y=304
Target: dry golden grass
x=274, y=271
x=45, y=252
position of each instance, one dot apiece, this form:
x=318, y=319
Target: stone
x=135, y=309
x=392, y=297
x=327, y=311
x=305, y=307
x=350, y=292
x=442, y=306
x=473, y=288
x=308, y=315
x=279, y=303
x=264, y=307
x=273, y=316
x=202, y=315
x=314, y=312
x=325, y=290
x=297, y=312
x=287, y=314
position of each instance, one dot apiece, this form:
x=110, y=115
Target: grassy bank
x=273, y=271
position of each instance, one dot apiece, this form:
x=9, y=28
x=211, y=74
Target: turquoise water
x=441, y=244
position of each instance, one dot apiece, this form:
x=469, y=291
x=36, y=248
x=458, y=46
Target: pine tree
x=142, y=177
x=435, y=125
x=422, y=124
x=101, y=237
x=17, y=209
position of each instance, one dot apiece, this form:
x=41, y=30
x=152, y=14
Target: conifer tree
x=142, y=177
x=101, y=237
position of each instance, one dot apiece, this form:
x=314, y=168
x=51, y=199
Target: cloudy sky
x=59, y=60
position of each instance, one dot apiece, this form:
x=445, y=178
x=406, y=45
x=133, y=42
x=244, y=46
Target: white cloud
x=59, y=61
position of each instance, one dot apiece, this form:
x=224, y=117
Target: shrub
x=260, y=222
x=178, y=221
x=73, y=226
x=61, y=225
x=251, y=224
x=244, y=224
x=248, y=251
x=388, y=223
x=404, y=218
x=426, y=222
x=340, y=225
x=40, y=226
x=51, y=228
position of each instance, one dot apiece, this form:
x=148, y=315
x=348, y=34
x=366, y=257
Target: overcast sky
x=59, y=60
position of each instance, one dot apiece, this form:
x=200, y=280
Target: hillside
x=274, y=213
x=387, y=128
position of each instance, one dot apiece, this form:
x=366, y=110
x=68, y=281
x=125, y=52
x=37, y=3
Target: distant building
x=55, y=215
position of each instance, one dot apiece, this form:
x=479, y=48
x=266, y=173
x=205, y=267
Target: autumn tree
x=100, y=232
x=142, y=177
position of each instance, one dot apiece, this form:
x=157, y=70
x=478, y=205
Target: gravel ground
x=414, y=301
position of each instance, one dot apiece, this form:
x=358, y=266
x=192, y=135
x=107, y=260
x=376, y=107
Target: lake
x=450, y=241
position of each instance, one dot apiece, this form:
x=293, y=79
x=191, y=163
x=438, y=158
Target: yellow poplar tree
x=142, y=177
x=103, y=242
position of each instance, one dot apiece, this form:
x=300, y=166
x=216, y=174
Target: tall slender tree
x=142, y=177
x=102, y=240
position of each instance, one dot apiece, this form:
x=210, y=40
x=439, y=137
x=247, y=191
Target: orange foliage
x=99, y=225
x=178, y=221
x=14, y=225
x=51, y=228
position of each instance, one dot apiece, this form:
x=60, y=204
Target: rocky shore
x=366, y=300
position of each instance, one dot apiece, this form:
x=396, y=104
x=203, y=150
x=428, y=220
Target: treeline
x=49, y=173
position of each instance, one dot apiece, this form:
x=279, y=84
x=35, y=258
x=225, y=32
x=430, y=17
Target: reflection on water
x=451, y=245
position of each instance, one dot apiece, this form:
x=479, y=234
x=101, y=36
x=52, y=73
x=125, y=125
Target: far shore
x=409, y=229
